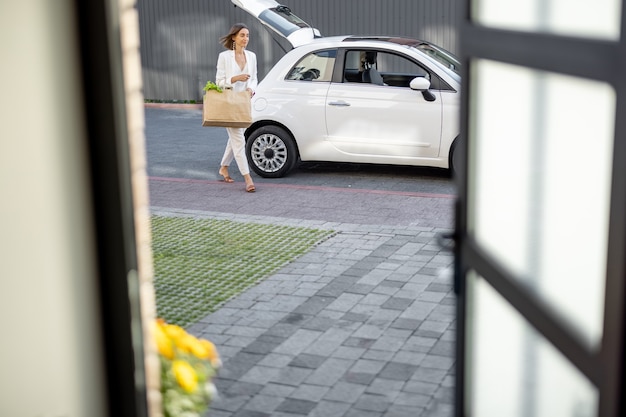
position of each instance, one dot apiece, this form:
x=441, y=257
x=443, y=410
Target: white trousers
x=236, y=148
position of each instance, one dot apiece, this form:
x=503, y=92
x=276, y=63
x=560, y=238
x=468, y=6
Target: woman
x=236, y=69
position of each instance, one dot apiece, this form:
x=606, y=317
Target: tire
x=271, y=151
x=454, y=159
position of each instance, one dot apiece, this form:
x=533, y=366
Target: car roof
x=395, y=40
x=391, y=39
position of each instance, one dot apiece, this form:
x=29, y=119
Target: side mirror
x=419, y=84
x=423, y=85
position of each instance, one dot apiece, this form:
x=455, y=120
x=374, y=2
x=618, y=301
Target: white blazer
x=227, y=68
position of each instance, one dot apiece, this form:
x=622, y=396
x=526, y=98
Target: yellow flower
x=163, y=342
x=211, y=352
x=185, y=375
x=197, y=348
x=174, y=331
x=191, y=365
x=185, y=342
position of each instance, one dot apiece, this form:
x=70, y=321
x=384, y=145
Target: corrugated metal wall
x=179, y=39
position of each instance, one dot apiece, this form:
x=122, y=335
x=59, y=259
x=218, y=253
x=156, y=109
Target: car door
x=382, y=121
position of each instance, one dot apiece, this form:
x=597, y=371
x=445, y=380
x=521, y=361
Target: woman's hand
x=240, y=77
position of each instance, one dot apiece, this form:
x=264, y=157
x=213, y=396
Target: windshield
x=442, y=56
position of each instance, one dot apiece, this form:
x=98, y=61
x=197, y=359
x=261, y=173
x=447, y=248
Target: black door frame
x=102, y=83
x=593, y=59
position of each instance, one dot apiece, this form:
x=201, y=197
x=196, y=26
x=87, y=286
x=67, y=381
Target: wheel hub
x=269, y=153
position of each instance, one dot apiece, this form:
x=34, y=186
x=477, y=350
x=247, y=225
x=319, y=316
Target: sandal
x=223, y=171
x=250, y=188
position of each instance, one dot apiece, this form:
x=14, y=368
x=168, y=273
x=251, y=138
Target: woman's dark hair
x=227, y=40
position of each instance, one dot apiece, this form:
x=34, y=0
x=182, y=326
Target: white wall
x=50, y=348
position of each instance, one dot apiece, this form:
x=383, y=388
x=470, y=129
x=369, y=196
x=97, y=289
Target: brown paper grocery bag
x=228, y=108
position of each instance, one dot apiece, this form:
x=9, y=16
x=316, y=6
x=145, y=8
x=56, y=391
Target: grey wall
x=179, y=39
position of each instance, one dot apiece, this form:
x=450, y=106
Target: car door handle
x=339, y=103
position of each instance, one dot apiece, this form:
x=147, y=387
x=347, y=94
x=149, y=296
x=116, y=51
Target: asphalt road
x=183, y=160
x=179, y=147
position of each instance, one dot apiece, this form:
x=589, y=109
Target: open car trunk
x=280, y=20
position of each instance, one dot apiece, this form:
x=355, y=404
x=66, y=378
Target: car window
x=382, y=68
x=316, y=66
x=442, y=56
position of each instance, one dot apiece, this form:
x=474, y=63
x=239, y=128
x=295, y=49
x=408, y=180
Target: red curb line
x=311, y=187
x=173, y=105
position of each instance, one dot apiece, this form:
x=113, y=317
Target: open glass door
x=541, y=225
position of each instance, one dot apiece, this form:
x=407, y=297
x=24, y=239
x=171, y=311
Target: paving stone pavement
x=362, y=325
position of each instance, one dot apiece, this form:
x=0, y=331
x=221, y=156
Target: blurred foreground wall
x=51, y=350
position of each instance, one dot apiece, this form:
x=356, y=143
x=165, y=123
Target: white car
x=380, y=100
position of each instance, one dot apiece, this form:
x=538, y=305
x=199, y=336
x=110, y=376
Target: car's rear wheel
x=454, y=160
x=271, y=151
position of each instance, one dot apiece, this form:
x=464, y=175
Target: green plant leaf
x=210, y=85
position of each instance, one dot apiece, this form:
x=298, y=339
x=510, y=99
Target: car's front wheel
x=271, y=151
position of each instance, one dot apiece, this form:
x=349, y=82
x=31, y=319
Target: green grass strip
x=201, y=263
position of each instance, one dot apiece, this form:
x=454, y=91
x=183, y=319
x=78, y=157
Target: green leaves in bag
x=210, y=85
